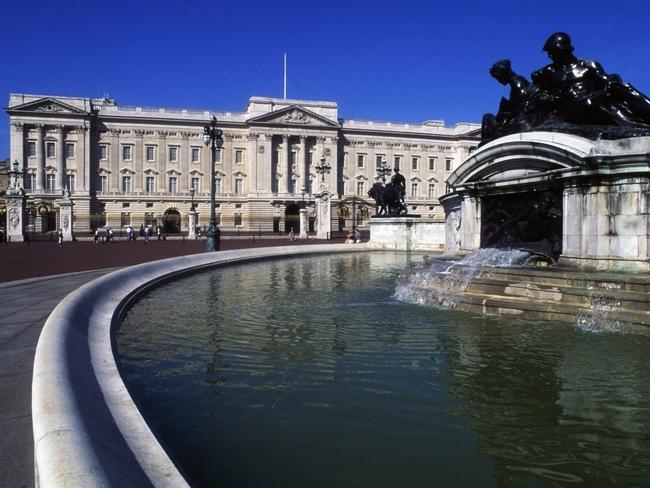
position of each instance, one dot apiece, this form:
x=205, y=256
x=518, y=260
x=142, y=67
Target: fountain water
x=504, y=282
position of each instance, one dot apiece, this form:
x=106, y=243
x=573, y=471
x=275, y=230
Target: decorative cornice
x=139, y=132
x=18, y=126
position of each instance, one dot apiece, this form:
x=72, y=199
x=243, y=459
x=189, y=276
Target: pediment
x=46, y=106
x=293, y=116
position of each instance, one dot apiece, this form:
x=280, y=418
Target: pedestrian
x=357, y=235
x=146, y=235
x=110, y=236
x=129, y=233
x=60, y=234
x=141, y=232
x=158, y=232
x=292, y=236
x=96, y=235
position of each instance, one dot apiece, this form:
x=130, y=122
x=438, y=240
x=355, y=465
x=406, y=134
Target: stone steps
x=553, y=294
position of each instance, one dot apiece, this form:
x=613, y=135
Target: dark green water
x=307, y=372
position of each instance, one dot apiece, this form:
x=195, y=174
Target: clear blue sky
x=402, y=60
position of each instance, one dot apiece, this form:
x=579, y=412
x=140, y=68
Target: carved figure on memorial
x=570, y=95
x=585, y=93
x=519, y=113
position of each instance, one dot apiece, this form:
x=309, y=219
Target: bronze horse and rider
x=387, y=199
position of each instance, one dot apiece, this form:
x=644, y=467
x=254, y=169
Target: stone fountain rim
x=87, y=429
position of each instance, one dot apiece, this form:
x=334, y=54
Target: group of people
x=571, y=95
x=353, y=237
x=104, y=237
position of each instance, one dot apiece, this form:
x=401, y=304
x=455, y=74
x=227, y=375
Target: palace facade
x=131, y=165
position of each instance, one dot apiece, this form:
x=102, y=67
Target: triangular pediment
x=293, y=116
x=46, y=106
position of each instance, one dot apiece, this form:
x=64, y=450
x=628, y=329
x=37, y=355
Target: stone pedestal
x=303, y=223
x=193, y=219
x=407, y=233
x=597, y=190
x=323, y=216
x=15, y=216
x=65, y=209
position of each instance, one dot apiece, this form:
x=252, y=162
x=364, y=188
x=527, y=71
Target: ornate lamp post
x=322, y=169
x=212, y=136
x=383, y=170
x=192, y=192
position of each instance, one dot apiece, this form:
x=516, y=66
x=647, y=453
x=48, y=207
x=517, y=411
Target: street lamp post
x=383, y=170
x=212, y=136
x=192, y=192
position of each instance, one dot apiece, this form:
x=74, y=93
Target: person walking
x=60, y=235
x=146, y=235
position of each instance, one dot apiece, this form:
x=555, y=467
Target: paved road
x=26, y=305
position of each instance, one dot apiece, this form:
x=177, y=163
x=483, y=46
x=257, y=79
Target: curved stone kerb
x=87, y=429
x=523, y=154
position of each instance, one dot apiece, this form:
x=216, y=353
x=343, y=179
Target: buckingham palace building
x=129, y=165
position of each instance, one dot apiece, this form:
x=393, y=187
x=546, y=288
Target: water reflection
x=308, y=372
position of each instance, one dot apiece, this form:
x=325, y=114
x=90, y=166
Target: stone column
x=161, y=162
x=284, y=166
x=60, y=157
x=184, y=163
x=40, y=158
x=331, y=155
x=138, y=159
x=470, y=225
x=83, y=157
x=304, y=169
x=252, y=170
x=17, y=150
x=115, y=157
x=265, y=174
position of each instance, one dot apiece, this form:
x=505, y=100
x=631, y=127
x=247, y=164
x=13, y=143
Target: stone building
x=131, y=165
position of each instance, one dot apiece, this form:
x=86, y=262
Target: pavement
x=33, y=280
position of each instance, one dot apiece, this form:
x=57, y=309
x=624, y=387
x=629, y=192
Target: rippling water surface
x=309, y=372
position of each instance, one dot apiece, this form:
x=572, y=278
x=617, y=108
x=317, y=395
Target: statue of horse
x=387, y=199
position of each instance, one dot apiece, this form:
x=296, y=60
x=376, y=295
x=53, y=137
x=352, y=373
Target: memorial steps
x=593, y=300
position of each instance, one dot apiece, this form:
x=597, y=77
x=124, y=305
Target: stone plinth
x=303, y=223
x=603, y=186
x=65, y=208
x=323, y=215
x=15, y=216
x=407, y=233
x=192, y=220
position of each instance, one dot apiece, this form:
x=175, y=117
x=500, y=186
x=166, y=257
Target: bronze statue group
x=570, y=95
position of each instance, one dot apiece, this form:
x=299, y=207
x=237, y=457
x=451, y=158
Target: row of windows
x=50, y=149
x=172, y=154
x=415, y=189
x=172, y=184
x=50, y=182
x=397, y=160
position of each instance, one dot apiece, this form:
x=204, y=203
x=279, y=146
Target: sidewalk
x=26, y=304
x=44, y=258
